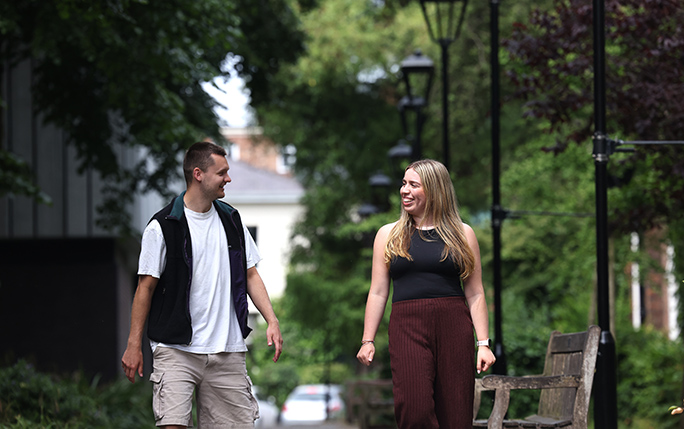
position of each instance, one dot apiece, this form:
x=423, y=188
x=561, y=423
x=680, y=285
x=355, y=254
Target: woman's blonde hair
x=442, y=209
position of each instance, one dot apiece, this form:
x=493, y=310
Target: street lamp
x=379, y=184
x=499, y=214
x=379, y=181
x=400, y=151
x=417, y=71
x=605, y=393
x=400, y=155
x=444, y=29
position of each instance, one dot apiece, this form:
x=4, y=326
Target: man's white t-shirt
x=215, y=327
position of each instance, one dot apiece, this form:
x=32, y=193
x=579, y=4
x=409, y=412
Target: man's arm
x=132, y=359
x=257, y=292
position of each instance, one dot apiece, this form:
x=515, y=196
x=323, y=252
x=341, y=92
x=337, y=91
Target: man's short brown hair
x=199, y=156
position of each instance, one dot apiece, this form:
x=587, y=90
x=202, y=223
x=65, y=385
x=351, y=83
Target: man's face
x=215, y=178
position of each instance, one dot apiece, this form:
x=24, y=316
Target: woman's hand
x=366, y=353
x=485, y=359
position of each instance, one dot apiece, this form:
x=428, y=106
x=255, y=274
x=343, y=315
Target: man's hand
x=132, y=359
x=257, y=291
x=132, y=362
x=274, y=337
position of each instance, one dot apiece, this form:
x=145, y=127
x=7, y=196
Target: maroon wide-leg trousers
x=432, y=354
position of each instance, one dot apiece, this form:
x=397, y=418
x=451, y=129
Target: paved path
x=326, y=425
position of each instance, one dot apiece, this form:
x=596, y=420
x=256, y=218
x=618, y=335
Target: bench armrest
x=495, y=382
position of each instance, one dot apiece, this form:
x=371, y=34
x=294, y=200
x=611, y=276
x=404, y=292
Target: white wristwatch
x=486, y=342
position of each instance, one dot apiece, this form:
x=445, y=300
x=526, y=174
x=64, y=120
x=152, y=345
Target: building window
x=286, y=159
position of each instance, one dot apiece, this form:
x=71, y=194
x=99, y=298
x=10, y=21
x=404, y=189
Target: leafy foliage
x=29, y=399
x=112, y=73
x=650, y=369
x=552, y=59
x=16, y=178
x=551, y=68
x=308, y=358
x=547, y=260
x=561, y=186
x=337, y=106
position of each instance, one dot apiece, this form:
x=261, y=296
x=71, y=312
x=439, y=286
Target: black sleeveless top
x=425, y=276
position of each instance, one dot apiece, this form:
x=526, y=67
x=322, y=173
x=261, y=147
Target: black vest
x=169, y=319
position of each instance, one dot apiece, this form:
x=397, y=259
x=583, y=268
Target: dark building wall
x=75, y=196
x=66, y=284
x=64, y=303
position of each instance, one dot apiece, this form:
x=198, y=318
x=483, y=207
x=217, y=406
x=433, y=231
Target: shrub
x=649, y=376
x=30, y=399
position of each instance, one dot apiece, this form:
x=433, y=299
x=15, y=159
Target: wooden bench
x=370, y=403
x=565, y=385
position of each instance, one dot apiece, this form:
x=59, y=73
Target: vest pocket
x=157, y=380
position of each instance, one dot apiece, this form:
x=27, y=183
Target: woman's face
x=413, y=195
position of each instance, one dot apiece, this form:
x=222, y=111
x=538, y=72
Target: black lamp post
x=498, y=212
x=605, y=394
x=417, y=72
x=379, y=184
x=444, y=29
x=401, y=150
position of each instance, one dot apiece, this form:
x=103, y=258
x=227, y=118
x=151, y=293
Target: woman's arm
x=475, y=295
x=377, y=296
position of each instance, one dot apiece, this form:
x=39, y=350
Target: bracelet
x=486, y=343
x=364, y=342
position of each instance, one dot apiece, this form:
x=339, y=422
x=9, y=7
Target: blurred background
x=99, y=100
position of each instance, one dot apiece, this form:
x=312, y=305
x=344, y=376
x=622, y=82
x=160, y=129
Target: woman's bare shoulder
x=388, y=227
x=469, y=233
x=384, y=231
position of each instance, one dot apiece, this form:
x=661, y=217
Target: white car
x=268, y=412
x=306, y=404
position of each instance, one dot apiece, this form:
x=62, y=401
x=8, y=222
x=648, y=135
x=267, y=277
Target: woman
x=428, y=253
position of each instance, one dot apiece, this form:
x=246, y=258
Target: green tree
x=337, y=106
x=129, y=72
x=548, y=252
x=551, y=68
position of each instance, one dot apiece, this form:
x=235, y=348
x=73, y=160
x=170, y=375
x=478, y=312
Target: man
x=197, y=266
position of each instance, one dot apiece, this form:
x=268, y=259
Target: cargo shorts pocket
x=255, y=404
x=157, y=380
